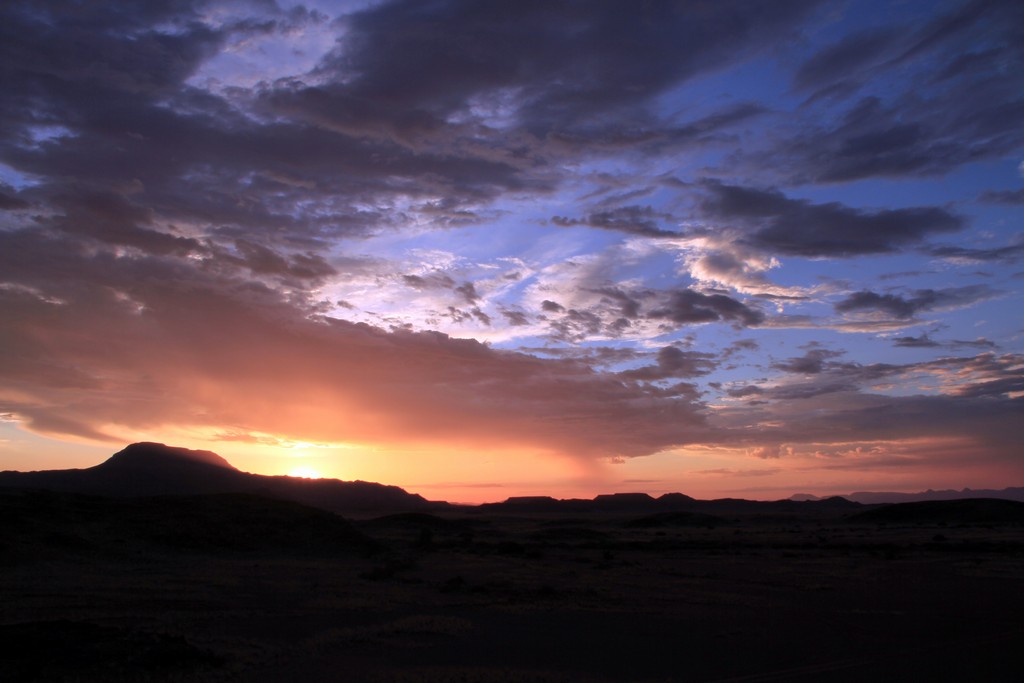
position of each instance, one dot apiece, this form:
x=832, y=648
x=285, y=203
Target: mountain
x=641, y=503
x=962, y=511
x=51, y=524
x=873, y=497
x=154, y=469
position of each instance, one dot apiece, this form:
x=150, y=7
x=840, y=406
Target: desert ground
x=238, y=588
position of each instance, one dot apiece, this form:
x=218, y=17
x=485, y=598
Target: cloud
x=585, y=298
x=949, y=99
x=922, y=300
x=956, y=253
x=772, y=452
x=852, y=53
x=635, y=220
x=744, y=391
x=673, y=362
x=264, y=261
x=548, y=67
x=516, y=318
x=687, y=306
x=811, y=363
x=979, y=419
x=923, y=341
x=9, y=200
x=1012, y=197
x=919, y=342
x=798, y=227
x=98, y=343
x=979, y=343
x=431, y=281
x=174, y=344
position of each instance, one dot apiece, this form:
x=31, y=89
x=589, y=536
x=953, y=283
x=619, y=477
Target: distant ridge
x=154, y=469
x=964, y=510
x=642, y=503
x=151, y=469
x=874, y=498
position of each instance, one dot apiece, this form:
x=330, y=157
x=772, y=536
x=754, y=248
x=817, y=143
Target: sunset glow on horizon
x=303, y=472
x=491, y=249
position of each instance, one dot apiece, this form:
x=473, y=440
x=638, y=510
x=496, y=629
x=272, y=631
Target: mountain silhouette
x=152, y=455
x=876, y=497
x=642, y=503
x=154, y=469
x=51, y=525
x=963, y=511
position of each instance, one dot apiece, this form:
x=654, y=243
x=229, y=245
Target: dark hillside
x=967, y=511
x=153, y=469
x=41, y=524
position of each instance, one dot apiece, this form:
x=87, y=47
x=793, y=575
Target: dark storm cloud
x=687, y=306
x=105, y=88
x=875, y=139
x=9, y=199
x=1008, y=254
x=627, y=304
x=988, y=423
x=922, y=300
x=984, y=375
x=924, y=341
x=920, y=342
x=960, y=100
x=576, y=325
x=835, y=62
x=801, y=228
x=744, y=391
x=742, y=345
x=468, y=292
x=811, y=363
x=263, y=261
x=672, y=362
x=636, y=220
x=570, y=63
x=114, y=220
x=994, y=388
x=302, y=175
x=979, y=343
x=551, y=306
x=807, y=390
x=515, y=318
x=70, y=49
x=1012, y=197
x=651, y=136
x=594, y=356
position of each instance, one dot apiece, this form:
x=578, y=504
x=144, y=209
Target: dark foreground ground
x=167, y=590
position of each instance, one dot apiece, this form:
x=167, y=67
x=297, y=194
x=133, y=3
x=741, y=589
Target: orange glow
x=304, y=473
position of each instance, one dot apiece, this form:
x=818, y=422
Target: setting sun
x=304, y=472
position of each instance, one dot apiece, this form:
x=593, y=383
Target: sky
x=489, y=249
